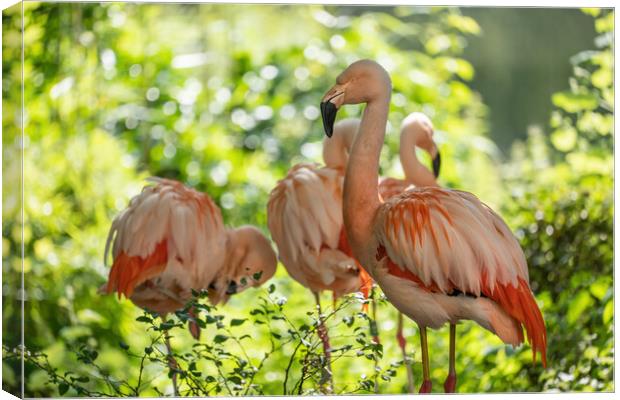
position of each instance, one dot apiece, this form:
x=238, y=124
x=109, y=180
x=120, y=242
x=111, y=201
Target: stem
x=288, y=368
x=323, y=334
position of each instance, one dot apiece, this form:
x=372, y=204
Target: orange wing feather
x=410, y=213
x=128, y=272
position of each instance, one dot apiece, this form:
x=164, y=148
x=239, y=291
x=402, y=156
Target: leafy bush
x=121, y=91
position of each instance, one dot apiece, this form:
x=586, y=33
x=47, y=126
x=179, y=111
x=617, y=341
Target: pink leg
x=374, y=329
x=402, y=343
x=450, y=383
x=427, y=385
x=194, y=329
x=324, y=336
x=172, y=364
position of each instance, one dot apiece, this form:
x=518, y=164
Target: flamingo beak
x=232, y=288
x=328, y=114
x=329, y=109
x=436, y=164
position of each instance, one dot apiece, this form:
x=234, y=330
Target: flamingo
x=416, y=131
x=304, y=216
x=171, y=239
x=439, y=255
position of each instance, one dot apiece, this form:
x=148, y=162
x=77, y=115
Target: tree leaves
x=575, y=102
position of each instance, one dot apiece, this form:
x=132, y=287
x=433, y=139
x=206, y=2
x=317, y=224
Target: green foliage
x=225, y=99
x=562, y=204
x=225, y=361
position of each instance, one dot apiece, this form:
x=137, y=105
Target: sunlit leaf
x=580, y=303
x=573, y=102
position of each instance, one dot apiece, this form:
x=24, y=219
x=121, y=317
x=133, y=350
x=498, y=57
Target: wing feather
x=167, y=224
x=304, y=214
x=449, y=238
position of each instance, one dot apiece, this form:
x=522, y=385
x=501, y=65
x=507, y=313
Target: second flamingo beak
x=436, y=164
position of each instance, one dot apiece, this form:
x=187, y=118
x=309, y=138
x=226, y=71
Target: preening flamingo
x=171, y=239
x=439, y=255
x=304, y=216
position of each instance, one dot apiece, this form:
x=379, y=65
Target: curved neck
x=415, y=172
x=336, y=151
x=361, y=196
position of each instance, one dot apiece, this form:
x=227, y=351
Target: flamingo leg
x=426, y=384
x=450, y=383
x=324, y=336
x=402, y=343
x=194, y=329
x=374, y=331
x=172, y=364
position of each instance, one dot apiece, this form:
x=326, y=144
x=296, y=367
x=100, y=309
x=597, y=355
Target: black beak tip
x=436, y=164
x=328, y=115
x=232, y=288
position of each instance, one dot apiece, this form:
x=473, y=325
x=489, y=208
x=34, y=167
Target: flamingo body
x=171, y=233
x=304, y=215
x=461, y=261
x=171, y=239
x=390, y=187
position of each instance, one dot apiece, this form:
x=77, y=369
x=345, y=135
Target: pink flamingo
x=416, y=131
x=171, y=239
x=304, y=216
x=439, y=255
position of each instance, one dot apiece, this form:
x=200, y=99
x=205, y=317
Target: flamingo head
x=362, y=82
x=420, y=128
x=251, y=262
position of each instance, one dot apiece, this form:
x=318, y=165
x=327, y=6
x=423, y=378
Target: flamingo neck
x=361, y=195
x=415, y=173
x=335, y=152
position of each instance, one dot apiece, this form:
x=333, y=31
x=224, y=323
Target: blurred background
x=225, y=98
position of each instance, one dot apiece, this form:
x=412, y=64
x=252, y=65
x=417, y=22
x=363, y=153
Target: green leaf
x=62, y=388
x=599, y=288
x=578, y=305
x=464, y=24
x=591, y=11
x=605, y=23
x=602, y=78
x=237, y=322
x=608, y=312
x=574, y=102
x=564, y=139
x=220, y=338
x=144, y=318
x=167, y=325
